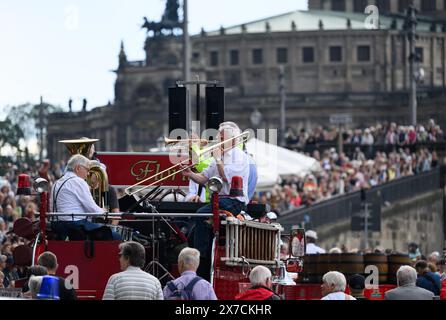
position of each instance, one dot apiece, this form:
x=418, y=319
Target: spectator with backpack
x=189, y=286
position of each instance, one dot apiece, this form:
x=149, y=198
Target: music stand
x=154, y=265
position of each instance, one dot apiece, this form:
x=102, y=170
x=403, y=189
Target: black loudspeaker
x=215, y=107
x=177, y=108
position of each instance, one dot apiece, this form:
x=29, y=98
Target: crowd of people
x=419, y=281
x=423, y=279
x=340, y=174
x=381, y=134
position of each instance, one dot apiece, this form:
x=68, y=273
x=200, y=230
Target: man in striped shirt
x=132, y=283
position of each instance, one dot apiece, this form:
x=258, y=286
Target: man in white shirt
x=333, y=287
x=71, y=194
x=312, y=248
x=226, y=165
x=132, y=283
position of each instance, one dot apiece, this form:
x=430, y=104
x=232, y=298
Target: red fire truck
x=238, y=245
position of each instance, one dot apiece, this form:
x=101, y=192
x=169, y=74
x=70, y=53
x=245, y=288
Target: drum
x=380, y=261
x=395, y=261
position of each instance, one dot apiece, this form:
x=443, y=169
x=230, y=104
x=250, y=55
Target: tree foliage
x=23, y=122
x=10, y=134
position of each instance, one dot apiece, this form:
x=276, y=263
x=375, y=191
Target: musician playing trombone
x=228, y=161
x=198, y=193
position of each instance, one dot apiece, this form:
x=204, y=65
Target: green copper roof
x=309, y=21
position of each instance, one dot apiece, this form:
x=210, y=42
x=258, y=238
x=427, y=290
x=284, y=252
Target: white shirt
x=73, y=197
x=133, y=284
x=193, y=191
x=338, y=296
x=236, y=163
x=314, y=249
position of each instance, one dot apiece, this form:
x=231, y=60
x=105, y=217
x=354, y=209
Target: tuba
x=97, y=177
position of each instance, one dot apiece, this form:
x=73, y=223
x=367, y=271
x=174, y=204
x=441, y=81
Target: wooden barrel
x=349, y=264
x=323, y=266
x=380, y=261
x=395, y=261
x=310, y=272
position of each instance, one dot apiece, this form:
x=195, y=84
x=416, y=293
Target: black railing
x=345, y=206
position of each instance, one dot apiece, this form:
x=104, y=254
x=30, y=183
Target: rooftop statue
x=170, y=21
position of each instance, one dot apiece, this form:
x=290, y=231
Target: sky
x=68, y=48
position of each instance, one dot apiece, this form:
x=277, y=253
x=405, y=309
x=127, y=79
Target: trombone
x=202, y=142
x=245, y=136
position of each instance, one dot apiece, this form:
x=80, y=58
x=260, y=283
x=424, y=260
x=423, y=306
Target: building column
x=378, y=83
x=223, y=56
x=443, y=60
x=406, y=64
x=394, y=6
x=315, y=5
x=326, y=5
x=320, y=58
x=243, y=63
x=433, y=58
x=349, y=6
x=390, y=63
x=293, y=62
x=440, y=5
x=129, y=139
x=417, y=4
x=270, y=65
x=348, y=56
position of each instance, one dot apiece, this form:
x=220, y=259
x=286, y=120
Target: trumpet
x=207, y=153
x=202, y=142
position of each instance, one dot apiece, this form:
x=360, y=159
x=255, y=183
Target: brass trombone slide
x=245, y=136
x=202, y=142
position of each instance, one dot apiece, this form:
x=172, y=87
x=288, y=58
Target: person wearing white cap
x=312, y=248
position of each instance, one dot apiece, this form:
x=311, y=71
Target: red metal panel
x=93, y=272
x=126, y=169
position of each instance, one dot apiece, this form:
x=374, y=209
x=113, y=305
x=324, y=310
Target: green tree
x=23, y=122
x=10, y=134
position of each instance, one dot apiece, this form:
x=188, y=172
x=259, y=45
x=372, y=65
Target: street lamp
x=410, y=26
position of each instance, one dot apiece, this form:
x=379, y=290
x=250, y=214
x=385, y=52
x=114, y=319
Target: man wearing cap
x=357, y=286
x=312, y=248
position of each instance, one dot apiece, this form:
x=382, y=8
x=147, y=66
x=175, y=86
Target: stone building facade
x=331, y=62
x=433, y=8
